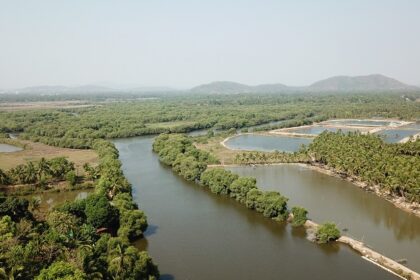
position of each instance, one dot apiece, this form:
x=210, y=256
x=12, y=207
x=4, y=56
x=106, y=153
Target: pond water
x=396, y=135
x=415, y=126
x=6, y=148
x=315, y=130
x=266, y=143
x=194, y=234
x=48, y=200
x=351, y=122
x=367, y=217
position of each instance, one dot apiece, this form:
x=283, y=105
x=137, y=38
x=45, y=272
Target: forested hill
x=367, y=83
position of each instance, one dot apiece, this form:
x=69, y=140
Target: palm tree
x=4, y=179
x=43, y=169
x=121, y=260
x=30, y=173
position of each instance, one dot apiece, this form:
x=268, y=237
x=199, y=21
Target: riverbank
x=370, y=255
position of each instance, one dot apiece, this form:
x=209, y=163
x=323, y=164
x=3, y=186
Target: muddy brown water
x=49, y=200
x=365, y=216
x=194, y=234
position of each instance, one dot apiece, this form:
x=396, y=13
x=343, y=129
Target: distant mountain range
x=369, y=83
x=334, y=84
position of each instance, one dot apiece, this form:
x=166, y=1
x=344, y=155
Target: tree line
x=39, y=172
x=86, y=239
x=393, y=167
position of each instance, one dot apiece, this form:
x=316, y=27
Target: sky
x=185, y=43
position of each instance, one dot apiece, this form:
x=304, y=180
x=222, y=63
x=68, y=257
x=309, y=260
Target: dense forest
x=394, y=167
x=78, y=127
x=86, y=239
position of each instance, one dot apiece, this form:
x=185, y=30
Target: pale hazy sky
x=183, y=43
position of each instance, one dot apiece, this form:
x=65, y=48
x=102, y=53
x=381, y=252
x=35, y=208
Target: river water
x=194, y=234
x=367, y=217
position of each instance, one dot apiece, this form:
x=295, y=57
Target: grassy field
x=17, y=106
x=223, y=154
x=35, y=151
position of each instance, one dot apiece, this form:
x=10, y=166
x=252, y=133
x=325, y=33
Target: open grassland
x=213, y=145
x=17, y=106
x=35, y=151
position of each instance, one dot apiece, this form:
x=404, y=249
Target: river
x=194, y=234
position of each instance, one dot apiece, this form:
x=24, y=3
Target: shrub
x=240, y=188
x=299, y=216
x=100, y=213
x=327, y=232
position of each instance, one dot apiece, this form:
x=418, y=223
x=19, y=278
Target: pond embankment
x=371, y=255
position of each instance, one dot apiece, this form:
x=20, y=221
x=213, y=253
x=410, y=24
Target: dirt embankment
x=370, y=255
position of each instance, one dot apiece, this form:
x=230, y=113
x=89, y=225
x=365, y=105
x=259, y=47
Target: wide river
x=194, y=234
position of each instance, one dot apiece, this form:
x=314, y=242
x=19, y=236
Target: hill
x=374, y=82
x=367, y=83
x=232, y=88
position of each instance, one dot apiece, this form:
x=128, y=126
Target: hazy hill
x=338, y=84
x=232, y=87
x=369, y=83
x=359, y=83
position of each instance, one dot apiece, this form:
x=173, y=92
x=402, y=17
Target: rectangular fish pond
x=354, y=122
x=316, y=130
x=266, y=143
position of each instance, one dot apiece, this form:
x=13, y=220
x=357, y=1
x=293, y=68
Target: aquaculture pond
x=396, y=135
x=194, y=234
x=315, y=130
x=351, y=122
x=6, y=148
x=266, y=143
x=362, y=215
